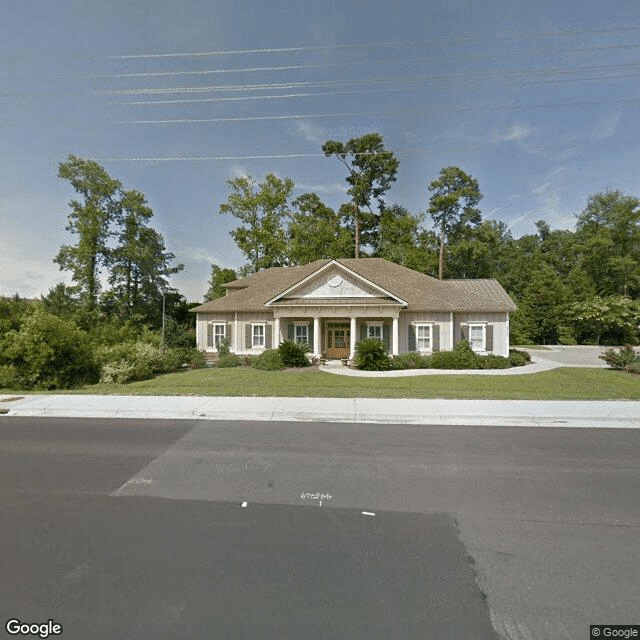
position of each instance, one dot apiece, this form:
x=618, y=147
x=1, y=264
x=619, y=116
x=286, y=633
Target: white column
x=316, y=336
x=352, y=346
x=276, y=331
x=394, y=337
x=451, y=330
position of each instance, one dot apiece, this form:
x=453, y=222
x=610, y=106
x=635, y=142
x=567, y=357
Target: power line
x=398, y=151
x=545, y=105
x=329, y=47
x=360, y=81
x=351, y=63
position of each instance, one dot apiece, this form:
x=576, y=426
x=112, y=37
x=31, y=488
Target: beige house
x=331, y=304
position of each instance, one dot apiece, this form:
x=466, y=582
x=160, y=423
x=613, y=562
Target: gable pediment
x=335, y=282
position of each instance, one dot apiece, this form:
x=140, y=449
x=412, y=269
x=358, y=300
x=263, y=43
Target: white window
x=423, y=337
x=302, y=333
x=477, y=337
x=216, y=332
x=374, y=331
x=257, y=331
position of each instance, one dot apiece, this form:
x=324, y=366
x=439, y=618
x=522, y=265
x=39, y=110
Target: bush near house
x=294, y=354
x=269, y=360
x=461, y=357
x=371, y=355
x=626, y=358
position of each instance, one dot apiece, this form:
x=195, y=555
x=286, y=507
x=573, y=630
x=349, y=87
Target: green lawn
x=557, y=384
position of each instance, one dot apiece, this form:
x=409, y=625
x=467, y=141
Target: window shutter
x=386, y=336
x=209, y=334
x=291, y=332
x=435, y=337
x=489, y=345
x=412, y=338
x=267, y=336
x=229, y=334
x=465, y=331
x=310, y=334
x=247, y=336
x=363, y=331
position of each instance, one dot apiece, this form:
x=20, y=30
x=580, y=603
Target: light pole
x=163, y=290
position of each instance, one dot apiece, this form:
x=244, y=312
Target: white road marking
x=368, y=513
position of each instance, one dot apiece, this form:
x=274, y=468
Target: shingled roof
x=421, y=292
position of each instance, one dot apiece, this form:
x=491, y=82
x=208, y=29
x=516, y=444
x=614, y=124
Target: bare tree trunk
x=441, y=260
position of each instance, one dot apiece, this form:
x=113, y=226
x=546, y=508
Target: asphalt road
x=135, y=529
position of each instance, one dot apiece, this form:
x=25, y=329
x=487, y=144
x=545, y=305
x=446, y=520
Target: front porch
x=335, y=337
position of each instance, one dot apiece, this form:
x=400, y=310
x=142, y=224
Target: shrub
x=194, y=358
x=294, y=354
x=223, y=348
x=269, y=360
x=517, y=358
x=525, y=354
x=371, y=355
x=178, y=335
x=492, y=361
x=634, y=367
x=46, y=353
x=411, y=361
x=622, y=358
x=460, y=357
x=228, y=360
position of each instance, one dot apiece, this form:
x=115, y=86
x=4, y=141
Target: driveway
x=570, y=356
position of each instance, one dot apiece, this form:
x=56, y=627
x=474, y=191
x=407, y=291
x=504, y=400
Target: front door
x=338, y=339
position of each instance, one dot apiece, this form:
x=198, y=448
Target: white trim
x=297, y=324
x=429, y=325
x=483, y=326
x=253, y=335
x=341, y=266
x=376, y=324
x=214, y=323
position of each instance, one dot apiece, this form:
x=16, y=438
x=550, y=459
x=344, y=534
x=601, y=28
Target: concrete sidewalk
x=525, y=413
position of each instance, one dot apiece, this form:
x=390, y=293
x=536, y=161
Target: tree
x=608, y=232
x=453, y=205
x=219, y=276
x=612, y=320
x=477, y=252
x=372, y=169
x=316, y=232
x=401, y=240
x=89, y=219
x=261, y=209
x=140, y=264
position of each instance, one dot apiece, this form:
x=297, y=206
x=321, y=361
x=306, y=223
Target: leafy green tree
x=89, y=220
x=542, y=305
x=140, y=264
x=608, y=231
x=612, y=320
x=316, y=232
x=261, y=209
x=401, y=240
x=47, y=352
x=371, y=171
x=61, y=301
x=219, y=276
x=477, y=251
x=452, y=205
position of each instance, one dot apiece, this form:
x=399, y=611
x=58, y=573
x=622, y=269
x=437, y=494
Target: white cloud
x=515, y=133
x=333, y=188
x=310, y=133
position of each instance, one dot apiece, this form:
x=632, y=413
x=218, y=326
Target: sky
x=539, y=101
